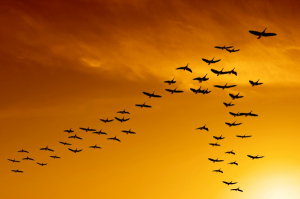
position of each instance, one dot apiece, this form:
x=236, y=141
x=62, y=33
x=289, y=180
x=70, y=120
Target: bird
x=215, y=160
x=214, y=144
x=75, y=136
x=206, y=91
x=197, y=90
x=235, y=96
x=231, y=72
x=229, y=183
x=143, y=105
x=47, y=149
x=65, y=143
x=42, y=164
x=87, y=129
x=262, y=34
x=13, y=160
x=185, y=68
x=203, y=128
x=225, y=86
x=255, y=83
x=248, y=114
x=27, y=158
x=23, y=151
x=221, y=72
x=123, y=112
x=54, y=156
x=211, y=61
x=228, y=104
x=95, y=147
x=170, y=81
x=218, y=138
x=255, y=157
x=230, y=152
x=100, y=132
x=69, y=131
x=232, y=50
x=114, y=138
x=235, y=114
x=174, y=91
x=75, y=150
x=129, y=131
x=122, y=120
x=244, y=136
x=201, y=79
x=237, y=189
x=219, y=170
x=106, y=120
x=223, y=47
x=17, y=171
x=232, y=124
x=233, y=163
x=151, y=94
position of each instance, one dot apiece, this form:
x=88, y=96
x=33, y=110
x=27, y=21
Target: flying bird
x=218, y=138
x=214, y=144
x=75, y=136
x=248, y=114
x=174, y=91
x=215, y=160
x=206, y=91
x=114, y=138
x=170, y=81
x=244, y=136
x=47, y=149
x=75, y=150
x=235, y=96
x=197, y=90
x=13, y=160
x=87, y=129
x=55, y=157
x=203, y=128
x=151, y=94
x=219, y=170
x=232, y=124
x=129, y=131
x=123, y=112
x=100, y=132
x=27, y=158
x=69, y=131
x=95, y=147
x=185, y=68
x=211, y=61
x=255, y=83
x=221, y=72
x=229, y=183
x=262, y=34
x=225, y=86
x=122, y=120
x=255, y=157
x=106, y=120
x=23, y=151
x=232, y=50
x=230, y=152
x=42, y=164
x=237, y=189
x=223, y=47
x=143, y=105
x=235, y=114
x=65, y=143
x=201, y=79
x=233, y=163
x=231, y=72
x=17, y=171
x=228, y=104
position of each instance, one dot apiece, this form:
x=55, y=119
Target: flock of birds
x=172, y=91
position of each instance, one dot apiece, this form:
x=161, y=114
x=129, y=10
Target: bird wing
x=248, y=136
x=239, y=96
x=211, y=159
x=251, y=82
x=51, y=150
x=95, y=129
x=237, y=124
x=215, y=61
x=118, y=140
x=42, y=148
x=177, y=91
x=219, y=160
x=227, y=123
x=118, y=119
x=230, y=86
x=137, y=105
x=84, y=128
x=71, y=150
x=218, y=86
x=190, y=70
x=250, y=156
x=260, y=157
x=205, y=60
x=194, y=90
x=147, y=106
x=148, y=94
x=128, y=118
x=78, y=137
x=180, y=68
x=255, y=32
x=231, y=113
x=101, y=120
x=231, y=95
x=225, y=104
x=269, y=34
x=214, y=71
x=79, y=150
x=156, y=96
x=259, y=83
x=71, y=136
x=239, y=136
x=168, y=81
x=169, y=90
x=218, y=47
x=253, y=114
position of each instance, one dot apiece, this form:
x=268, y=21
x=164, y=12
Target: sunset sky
x=66, y=64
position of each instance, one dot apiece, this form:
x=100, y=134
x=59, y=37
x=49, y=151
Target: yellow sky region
x=68, y=64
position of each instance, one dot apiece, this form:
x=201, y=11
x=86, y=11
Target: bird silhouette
x=262, y=34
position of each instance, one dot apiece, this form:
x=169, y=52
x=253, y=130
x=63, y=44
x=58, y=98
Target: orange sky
x=69, y=63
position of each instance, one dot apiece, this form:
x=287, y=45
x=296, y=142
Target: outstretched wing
x=251, y=82
x=214, y=71
x=71, y=136
x=248, y=136
x=218, y=86
x=118, y=119
x=251, y=114
x=190, y=70
x=168, y=81
x=147, y=106
x=180, y=68
x=156, y=96
x=218, y=47
x=129, y=118
x=205, y=60
x=177, y=91
x=194, y=90
x=148, y=94
x=239, y=136
x=211, y=159
x=231, y=95
x=85, y=128
x=215, y=61
x=227, y=123
x=219, y=160
x=169, y=90
x=250, y=156
x=230, y=86
x=269, y=34
x=234, y=114
x=71, y=150
x=237, y=124
x=255, y=32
